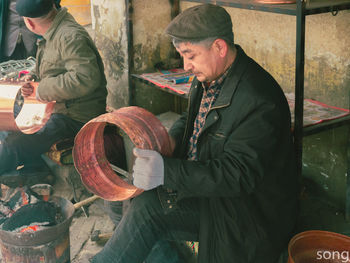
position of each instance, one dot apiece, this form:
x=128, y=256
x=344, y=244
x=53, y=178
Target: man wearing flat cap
x=231, y=182
x=70, y=72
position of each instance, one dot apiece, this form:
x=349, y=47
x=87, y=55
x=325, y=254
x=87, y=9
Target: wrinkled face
x=205, y=63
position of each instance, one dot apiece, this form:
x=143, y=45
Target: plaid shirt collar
x=216, y=83
x=210, y=93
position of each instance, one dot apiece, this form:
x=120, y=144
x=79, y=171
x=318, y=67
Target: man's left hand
x=148, y=170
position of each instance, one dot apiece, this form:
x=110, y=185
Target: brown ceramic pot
x=319, y=247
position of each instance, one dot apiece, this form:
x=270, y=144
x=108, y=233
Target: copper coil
x=90, y=152
x=32, y=115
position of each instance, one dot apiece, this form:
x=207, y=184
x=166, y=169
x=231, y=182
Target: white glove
x=148, y=170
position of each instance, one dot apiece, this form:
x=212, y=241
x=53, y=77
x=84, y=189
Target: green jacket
x=70, y=70
x=245, y=177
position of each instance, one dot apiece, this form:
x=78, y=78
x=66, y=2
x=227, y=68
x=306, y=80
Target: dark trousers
x=143, y=231
x=17, y=148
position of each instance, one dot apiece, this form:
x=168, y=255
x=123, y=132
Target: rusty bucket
x=317, y=246
x=45, y=246
x=93, y=156
x=27, y=116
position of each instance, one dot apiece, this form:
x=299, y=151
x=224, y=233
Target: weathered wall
x=270, y=39
x=109, y=23
x=152, y=49
x=151, y=45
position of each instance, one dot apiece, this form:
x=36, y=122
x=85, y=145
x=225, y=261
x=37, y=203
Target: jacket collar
x=234, y=75
x=57, y=20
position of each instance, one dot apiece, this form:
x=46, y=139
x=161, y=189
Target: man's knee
x=146, y=205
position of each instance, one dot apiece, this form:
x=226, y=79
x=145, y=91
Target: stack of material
x=12, y=69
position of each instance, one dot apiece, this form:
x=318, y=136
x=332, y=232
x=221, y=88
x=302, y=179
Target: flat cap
x=33, y=8
x=201, y=22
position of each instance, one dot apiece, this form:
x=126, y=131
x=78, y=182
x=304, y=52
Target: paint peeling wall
x=109, y=23
x=151, y=45
x=152, y=49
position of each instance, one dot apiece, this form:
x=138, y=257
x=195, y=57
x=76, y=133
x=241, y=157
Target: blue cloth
x=148, y=227
x=17, y=148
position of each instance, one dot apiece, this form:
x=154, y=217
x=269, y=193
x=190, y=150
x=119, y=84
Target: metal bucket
x=32, y=115
x=319, y=247
x=49, y=245
x=143, y=129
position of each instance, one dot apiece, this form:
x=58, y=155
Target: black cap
x=33, y=8
x=201, y=22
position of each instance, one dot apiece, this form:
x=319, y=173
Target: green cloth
x=70, y=70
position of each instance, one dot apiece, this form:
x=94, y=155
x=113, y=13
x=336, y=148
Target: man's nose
x=187, y=65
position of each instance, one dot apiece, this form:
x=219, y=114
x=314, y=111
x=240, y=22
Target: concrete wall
x=152, y=49
x=109, y=23
x=151, y=46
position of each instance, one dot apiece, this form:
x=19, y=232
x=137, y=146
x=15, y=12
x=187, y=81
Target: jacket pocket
x=212, y=145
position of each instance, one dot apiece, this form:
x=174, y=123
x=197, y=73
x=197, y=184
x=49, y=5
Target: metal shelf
x=327, y=125
x=165, y=89
x=287, y=9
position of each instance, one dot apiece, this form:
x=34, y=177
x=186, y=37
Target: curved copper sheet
x=314, y=246
x=144, y=130
x=32, y=116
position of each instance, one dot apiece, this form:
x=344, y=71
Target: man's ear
x=29, y=23
x=221, y=46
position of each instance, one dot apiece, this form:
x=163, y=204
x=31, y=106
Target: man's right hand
x=27, y=89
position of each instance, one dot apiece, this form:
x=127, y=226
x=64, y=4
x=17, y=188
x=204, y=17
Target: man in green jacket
x=231, y=183
x=70, y=72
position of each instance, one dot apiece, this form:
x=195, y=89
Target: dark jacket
x=245, y=177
